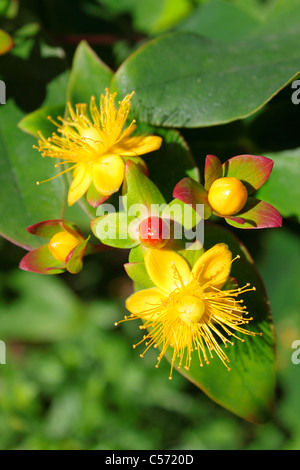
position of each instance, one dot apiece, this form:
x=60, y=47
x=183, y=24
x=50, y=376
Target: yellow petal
x=80, y=184
x=213, y=266
x=167, y=269
x=146, y=304
x=132, y=146
x=108, y=174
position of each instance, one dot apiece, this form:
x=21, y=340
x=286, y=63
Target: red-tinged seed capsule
x=154, y=232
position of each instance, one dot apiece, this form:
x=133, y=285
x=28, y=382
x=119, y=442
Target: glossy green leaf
x=74, y=262
x=171, y=162
x=48, y=228
x=185, y=80
x=181, y=213
x=256, y=214
x=213, y=170
x=193, y=193
x=38, y=121
x=41, y=261
x=89, y=75
x=220, y=21
x=252, y=170
x=114, y=230
x=25, y=203
x=193, y=253
x=282, y=188
x=138, y=273
x=136, y=254
x=139, y=189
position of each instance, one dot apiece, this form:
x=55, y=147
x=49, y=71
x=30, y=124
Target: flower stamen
x=194, y=318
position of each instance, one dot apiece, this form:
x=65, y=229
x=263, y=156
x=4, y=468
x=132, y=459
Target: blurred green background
x=72, y=379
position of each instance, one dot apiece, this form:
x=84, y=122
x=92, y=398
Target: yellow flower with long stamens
x=95, y=143
x=188, y=310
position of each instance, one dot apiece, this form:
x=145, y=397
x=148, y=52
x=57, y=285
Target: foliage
x=210, y=78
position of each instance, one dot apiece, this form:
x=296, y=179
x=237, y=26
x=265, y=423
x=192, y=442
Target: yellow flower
x=187, y=310
x=96, y=144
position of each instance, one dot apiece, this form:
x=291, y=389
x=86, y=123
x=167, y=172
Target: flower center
x=93, y=138
x=61, y=244
x=227, y=196
x=191, y=309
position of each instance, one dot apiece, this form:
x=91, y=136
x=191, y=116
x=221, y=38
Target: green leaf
x=136, y=254
x=193, y=253
x=89, y=76
x=114, y=230
x=282, y=188
x=75, y=263
x=256, y=214
x=23, y=202
x=181, y=213
x=138, y=273
x=252, y=170
x=171, y=162
x=185, y=80
x=220, y=21
x=38, y=121
x=139, y=189
x=213, y=170
x=41, y=261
